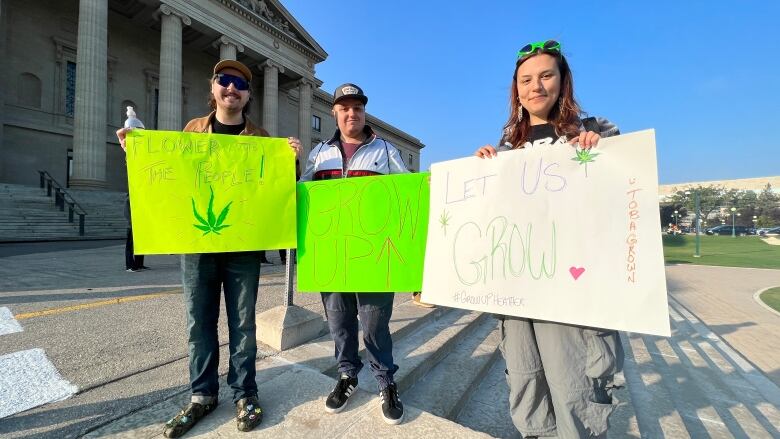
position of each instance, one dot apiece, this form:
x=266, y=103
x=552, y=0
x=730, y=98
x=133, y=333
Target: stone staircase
x=27, y=214
x=451, y=380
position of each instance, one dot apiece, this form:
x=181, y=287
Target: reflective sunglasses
x=539, y=45
x=225, y=80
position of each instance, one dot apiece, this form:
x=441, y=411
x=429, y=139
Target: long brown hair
x=564, y=115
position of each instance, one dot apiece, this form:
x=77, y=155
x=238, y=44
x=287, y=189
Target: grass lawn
x=742, y=251
x=772, y=298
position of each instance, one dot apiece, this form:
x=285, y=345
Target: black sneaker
x=392, y=409
x=248, y=413
x=187, y=418
x=337, y=399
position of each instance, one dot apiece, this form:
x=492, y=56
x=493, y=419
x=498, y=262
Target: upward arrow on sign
x=389, y=246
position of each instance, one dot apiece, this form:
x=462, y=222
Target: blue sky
x=705, y=75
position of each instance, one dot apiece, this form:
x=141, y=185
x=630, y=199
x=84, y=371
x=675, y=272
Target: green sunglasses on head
x=539, y=45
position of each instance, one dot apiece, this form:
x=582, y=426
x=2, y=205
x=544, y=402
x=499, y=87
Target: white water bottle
x=133, y=121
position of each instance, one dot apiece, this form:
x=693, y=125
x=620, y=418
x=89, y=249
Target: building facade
x=72, y=67
x=756, y=184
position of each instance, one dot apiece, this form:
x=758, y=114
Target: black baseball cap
x=349, y=91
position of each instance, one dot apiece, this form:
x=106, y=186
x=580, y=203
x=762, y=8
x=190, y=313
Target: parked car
x=728, y=230
x=769, y=232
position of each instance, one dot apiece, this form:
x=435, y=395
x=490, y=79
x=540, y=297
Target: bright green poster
x=364, y=234
x=206, y=193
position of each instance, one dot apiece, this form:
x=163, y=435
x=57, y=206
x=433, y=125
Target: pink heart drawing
x=576, y=272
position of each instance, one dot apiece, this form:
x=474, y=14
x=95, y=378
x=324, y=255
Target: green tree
x=710, y=200
x=667, y=214
x=768, y=207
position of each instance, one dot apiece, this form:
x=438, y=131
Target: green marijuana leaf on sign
x=584, y=157
x=444, y=220
x=212, y=223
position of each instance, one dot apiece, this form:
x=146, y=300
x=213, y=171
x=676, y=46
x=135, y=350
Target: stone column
x=169, y=106
x=89, y=119
x=304, y=115
x=228, y=47
x=3, y=24
x=271, y=72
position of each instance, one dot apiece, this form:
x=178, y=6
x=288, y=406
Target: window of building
x=316, y=123
x=70, y=88
x=411, y=159
x=29, y=90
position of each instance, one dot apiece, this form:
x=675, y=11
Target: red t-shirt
x=349, y=150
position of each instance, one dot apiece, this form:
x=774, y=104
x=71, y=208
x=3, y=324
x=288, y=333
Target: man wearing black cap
x=205, y=275
x=355, y=151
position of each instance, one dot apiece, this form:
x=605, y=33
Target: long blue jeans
x=203, y=277
x=375, y=310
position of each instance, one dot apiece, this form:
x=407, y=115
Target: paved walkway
x=716, y=377
x=722, y=298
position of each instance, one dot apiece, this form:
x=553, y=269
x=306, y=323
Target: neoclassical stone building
x=71, y=67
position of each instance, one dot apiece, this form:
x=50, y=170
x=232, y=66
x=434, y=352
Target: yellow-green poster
x=364, y=234
x=206, y=193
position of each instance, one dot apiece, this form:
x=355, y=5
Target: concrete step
x=691, y=385
x=446, y=388
x=293, y=388
x=417, y=353
x=487, y=409
x=694, y=385
x=17, y=215
x=27, y=214
x=292, y=397
x=318, y=354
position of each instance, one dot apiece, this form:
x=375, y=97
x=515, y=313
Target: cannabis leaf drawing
x=212, y=223
x=584, y=157
x=444, y=220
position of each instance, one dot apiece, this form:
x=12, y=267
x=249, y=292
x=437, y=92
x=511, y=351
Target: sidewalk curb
x=761, y=302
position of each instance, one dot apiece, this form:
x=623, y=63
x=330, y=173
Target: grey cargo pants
x=560, y=376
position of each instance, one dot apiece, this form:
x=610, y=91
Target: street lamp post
x=733, y=228
x=676, y=216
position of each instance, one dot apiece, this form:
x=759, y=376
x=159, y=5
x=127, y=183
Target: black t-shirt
x=220, y=128
x=543, y=135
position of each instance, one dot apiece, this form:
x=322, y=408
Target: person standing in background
x=133, y=263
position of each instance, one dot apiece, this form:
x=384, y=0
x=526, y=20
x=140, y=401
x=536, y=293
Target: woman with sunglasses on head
x=560, y=376
x=206, y=275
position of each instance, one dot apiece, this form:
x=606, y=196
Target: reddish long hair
x=564, y=115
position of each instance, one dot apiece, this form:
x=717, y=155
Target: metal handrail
x=61, y=197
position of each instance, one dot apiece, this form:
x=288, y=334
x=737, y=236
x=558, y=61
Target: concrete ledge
x=285, y=327
x=293, y=399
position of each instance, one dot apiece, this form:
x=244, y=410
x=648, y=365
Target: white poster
x=551, y=233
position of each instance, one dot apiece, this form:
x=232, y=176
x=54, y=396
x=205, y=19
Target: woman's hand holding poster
x=551, y=233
